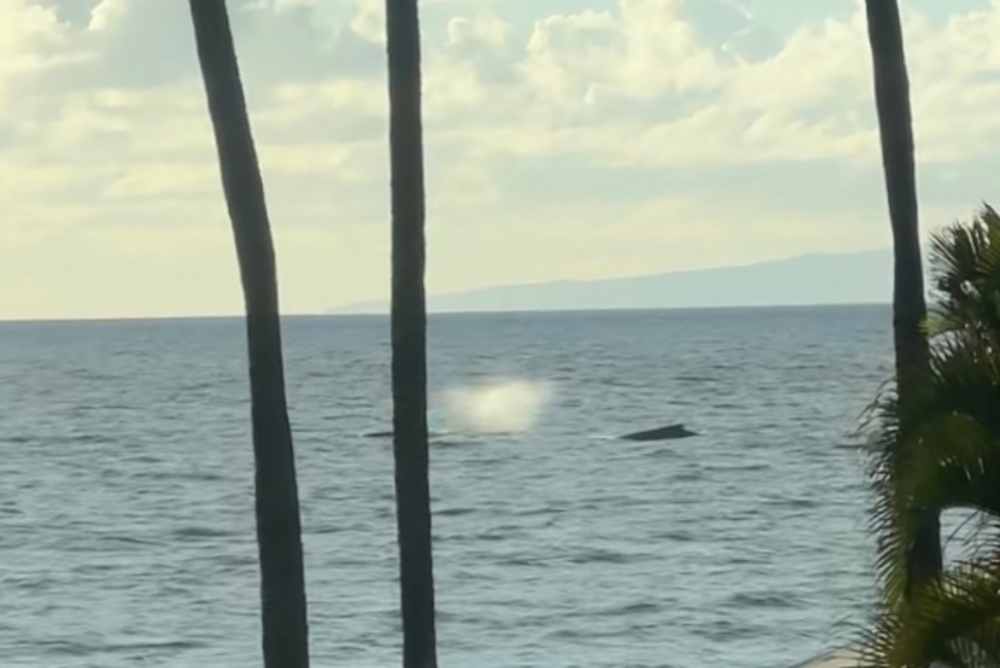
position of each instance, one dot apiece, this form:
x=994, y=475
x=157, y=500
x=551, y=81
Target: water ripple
x=127, y=533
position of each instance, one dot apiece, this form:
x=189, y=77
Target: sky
x=565, y=139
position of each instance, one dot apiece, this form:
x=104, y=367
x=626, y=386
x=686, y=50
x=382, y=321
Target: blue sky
x=565, y=139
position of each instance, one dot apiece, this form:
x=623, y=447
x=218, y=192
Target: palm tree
x=954, y=617
x=892, y=98
x=279, y=534
x=409, y=336
x=950, y=429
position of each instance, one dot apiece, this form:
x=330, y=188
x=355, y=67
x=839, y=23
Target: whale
x=667, y=433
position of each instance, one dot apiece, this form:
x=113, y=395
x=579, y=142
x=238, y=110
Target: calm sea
x=126, y=525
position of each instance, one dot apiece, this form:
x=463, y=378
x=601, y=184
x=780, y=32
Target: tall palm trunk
x=409, y=336
x=279, y=535
x=892, y=98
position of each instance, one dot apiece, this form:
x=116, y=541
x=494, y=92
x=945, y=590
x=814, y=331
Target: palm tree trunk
x=409, y=336
x=279, y=534
x=892, y=98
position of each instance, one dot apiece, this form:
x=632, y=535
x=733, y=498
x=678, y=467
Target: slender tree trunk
x=279, y=535
x=892, y=98
x=409, y=336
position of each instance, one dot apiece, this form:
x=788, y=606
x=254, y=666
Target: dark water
x=126, y=527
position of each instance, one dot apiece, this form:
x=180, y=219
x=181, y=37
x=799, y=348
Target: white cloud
x=32, y=40
x=106, y=14
x=369, y=22
x=483, y=30
x=569, y=144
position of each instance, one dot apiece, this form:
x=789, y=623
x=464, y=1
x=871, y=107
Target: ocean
x=126, y=514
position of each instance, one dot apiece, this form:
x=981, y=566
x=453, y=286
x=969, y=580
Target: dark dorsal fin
x=672, y=431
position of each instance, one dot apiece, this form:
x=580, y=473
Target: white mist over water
x=501, y=406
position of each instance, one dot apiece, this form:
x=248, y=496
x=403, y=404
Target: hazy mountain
x=845, y=278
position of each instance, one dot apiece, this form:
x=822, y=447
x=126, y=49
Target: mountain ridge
x=817, y=278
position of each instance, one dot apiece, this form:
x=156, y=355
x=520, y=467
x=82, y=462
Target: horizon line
x=527, y=311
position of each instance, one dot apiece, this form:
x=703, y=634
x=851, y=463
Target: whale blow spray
x=497, y=407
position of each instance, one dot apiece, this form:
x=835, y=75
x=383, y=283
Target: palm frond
x=965, y=277
x=953, y=620
x=938, y=450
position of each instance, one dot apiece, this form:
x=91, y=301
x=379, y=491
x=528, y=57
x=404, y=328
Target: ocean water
x=126, y=516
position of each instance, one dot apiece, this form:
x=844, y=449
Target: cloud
x=566, y=139
x=32, y=41
x=640, y=85
x=107, y=14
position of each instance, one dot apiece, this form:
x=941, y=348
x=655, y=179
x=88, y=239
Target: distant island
x=814, y=279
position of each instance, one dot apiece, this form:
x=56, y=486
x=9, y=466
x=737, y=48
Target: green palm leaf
x=954, y=620
x=938, y=451
x=965, y=277
x=941, y=450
